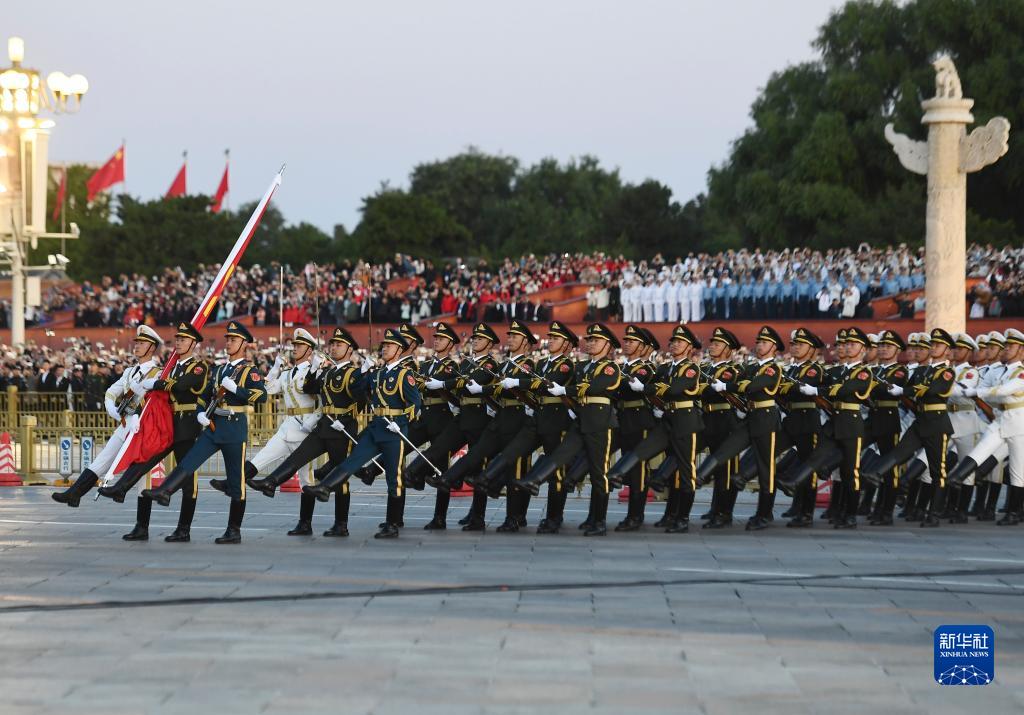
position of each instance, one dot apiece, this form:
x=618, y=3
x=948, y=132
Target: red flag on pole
x=61, y=191
x=222, y=189
x=156, y=429
x=178, y=185
x=107, y=175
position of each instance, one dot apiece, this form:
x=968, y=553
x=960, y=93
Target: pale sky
x=352, y=94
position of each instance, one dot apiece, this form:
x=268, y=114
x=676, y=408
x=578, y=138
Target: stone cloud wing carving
x=984, y=145
x=912, y=154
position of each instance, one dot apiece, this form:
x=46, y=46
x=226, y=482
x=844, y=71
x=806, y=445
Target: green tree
x=396, y=221
x=815, y=168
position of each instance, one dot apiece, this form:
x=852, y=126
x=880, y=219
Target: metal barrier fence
x=39, y=422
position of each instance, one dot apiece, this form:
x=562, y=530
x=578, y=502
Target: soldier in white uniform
x=649, y=295
x=683, y=299
x=123, y=405
x=968, y=423
x=696, y=298
x=1004, y=436
x=672, y=298
x=301, y=411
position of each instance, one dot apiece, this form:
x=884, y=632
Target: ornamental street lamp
x=24, y=154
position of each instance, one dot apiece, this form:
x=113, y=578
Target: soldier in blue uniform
x=236, y=387
x=394, y=397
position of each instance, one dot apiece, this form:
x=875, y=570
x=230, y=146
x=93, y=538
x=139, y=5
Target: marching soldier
x=759, y=384
x=336, y=384
x=301, y=416
x=676, y=388
x=636, y=418
x=884, y=423
x=802, y=424
x=437, y=408
x=510, y=419
x=967, y=422
x=849, y=393
x=544, y=427
x=235, y=388
x=395, y=401
x=931, y=429
x=988, y=482
x=185, y=385
x=465, y=429
x=123, y=405
x=720, y=421
x=592, y=429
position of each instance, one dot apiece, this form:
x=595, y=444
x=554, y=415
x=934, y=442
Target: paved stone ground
x=724, y=622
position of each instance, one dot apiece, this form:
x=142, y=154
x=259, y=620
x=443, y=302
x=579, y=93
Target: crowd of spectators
x=799, y=283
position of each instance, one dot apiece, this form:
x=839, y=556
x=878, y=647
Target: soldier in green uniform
x=592, y=429
x=466, y=429
x=236, y=386
x=884, y=421
x=802, y=423
x=335, y=383
x=636, y=420
x=544, y=427
x=185, y=385
x=510, y=419
x=720, y=420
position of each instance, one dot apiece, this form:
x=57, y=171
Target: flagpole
x=227, y=166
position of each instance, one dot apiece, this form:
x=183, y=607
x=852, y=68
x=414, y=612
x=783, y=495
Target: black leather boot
x=73, y=494
x=142, y=512
x=233, y=534
x=305, y=525
x=129, y=478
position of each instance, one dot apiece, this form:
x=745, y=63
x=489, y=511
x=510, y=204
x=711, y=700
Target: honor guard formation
x=936, y=435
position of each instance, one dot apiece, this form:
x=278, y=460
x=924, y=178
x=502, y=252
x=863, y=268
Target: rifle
x=984, y=407
x=488, y=400
x=733, y=399
x=820, y=401
x=907, y=403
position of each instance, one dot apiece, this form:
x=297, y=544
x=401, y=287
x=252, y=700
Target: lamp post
x=24, y=154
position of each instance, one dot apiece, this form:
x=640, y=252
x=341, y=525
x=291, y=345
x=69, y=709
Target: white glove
x=202, y=419
x=718, y=386
x=337, y=426
x=454, y=408
x=316, y=362
x=393, y=427
x=572, y=415
x=808, y=390
x=111, y=409
x=474, y=388
x=659, y=413
x=636, y=386
x=137, y=388
x=491, y=412
x=433, y=384
x=133, y=424
x=556, y=390
x=510, y=383
x=228, y=384
x=895, y=390
x=149, y=383
x=366, y=366
x=528, y=411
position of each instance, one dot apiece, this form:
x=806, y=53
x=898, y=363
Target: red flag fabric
x=156, y=430
x=61, y=191
x=107, y=175
x=178, y=185
x=222, y=190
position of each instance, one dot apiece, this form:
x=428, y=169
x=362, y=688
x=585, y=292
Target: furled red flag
x=156, y=429
x=61, y=191
x=222, y=189
x=107, y=175
x=178, y=185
